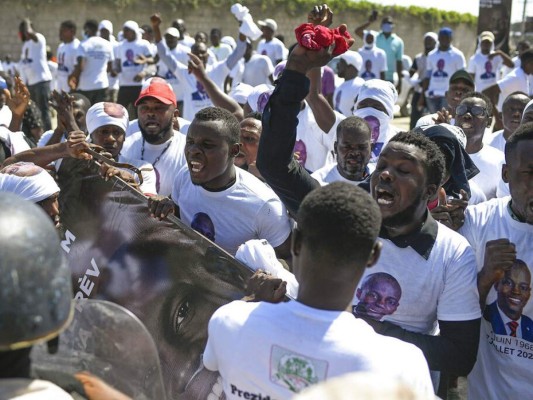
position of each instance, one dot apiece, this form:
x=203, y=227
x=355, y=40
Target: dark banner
x=168, y=275
x=495, y=16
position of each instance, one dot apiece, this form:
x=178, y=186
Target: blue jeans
x=40, y=94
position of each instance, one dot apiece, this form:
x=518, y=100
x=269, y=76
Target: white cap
x=270, y=23
x=134, y=26
x=106, y=24
x=173, y=32
x=353, y=58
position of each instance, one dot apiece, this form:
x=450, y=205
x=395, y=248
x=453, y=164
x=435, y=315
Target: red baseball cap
x=159, y=89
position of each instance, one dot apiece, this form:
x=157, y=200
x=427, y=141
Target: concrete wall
x=47, y=17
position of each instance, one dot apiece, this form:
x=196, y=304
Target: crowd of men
x=411, y=250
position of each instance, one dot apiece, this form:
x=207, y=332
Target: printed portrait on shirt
x=130, y=59
x=368, y=74
x=379, y=295
x=512, y=295
x=488, y=74
x=440, y=73
x=300, y=152
x=200, y=93
x=203, y=224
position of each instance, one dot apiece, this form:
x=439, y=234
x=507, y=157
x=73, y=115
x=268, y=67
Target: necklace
x=159, y=156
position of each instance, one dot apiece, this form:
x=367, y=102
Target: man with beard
x=158, y=143
x=501, y=232
x=352, y=150
x=417, y=251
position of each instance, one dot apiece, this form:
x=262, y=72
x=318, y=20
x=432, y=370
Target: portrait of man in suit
x=513, y=291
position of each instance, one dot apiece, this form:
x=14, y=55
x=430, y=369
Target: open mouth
x=466, y=125
x=196, y=166
x=384, y=197
x=514, y=301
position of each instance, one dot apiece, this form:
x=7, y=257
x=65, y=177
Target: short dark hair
x=229, y=121
x=147, y=29
x=86, y=103
x=518, y=92
x=340, y=220
x=522, y=133
x=481, y=96
x=215, y=31
x=355, y=124
x=69, y=24
x=526, y=56
x=91, y=24
x=434, y=162
x=255, y=115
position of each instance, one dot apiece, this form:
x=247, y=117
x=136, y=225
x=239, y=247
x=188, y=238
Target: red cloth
x=316, y=37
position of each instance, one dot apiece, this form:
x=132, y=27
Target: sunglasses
x=477, y=111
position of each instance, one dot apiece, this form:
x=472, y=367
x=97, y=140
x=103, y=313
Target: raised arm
x=217, y=96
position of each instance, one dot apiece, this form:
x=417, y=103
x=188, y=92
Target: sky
x=467, y=6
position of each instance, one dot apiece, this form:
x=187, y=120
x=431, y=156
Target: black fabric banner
x=495, y=16
x=167, y=274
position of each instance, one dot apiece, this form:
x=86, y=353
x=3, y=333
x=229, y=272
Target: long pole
x=524, y=19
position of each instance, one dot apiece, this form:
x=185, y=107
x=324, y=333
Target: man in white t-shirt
x=132, y=73
x=520, y=79
x=105, y=31
x=441, y=64
x=418, y=251
x=226, y=204
x=501, y=233
x=348, y=67
x=34, y=67
x=270, y=45
x=179, y=52
x=157, y=142
x=318, y=339
x=352, y=151
x=219, y=49
x=473, y=115
x=95, y=59
x=374, y=58
x=253, y=69
x=485, y=64
x=512, y=109
x=195, y=96
x=67, y=54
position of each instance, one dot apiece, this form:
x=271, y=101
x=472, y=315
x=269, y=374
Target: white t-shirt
x=374, y=62
x=330, y=173
x=489, y=162
x=259, y=358
x=127, y=52
x=171, y=158
x=441, y=287
x=181, y=54
x=345, y=95
x=476, y=194
x=516, y=80
x=222, y=51
x=195, y=97
x=484, y=69
x=31, y=389
x=96, y=53
x=247, y=210
x=313, y=145
x=275, y=49
x=504, y=363
x=33, y=61
x=497, y=140
x=67, y=58
x=257, y=70
x=440, y=67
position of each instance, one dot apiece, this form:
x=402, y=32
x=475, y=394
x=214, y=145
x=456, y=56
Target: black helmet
x=35, y=286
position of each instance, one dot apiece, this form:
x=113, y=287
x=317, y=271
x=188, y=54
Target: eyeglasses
x=477, y=111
